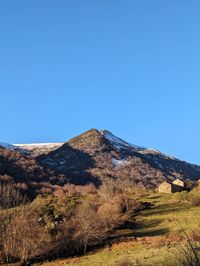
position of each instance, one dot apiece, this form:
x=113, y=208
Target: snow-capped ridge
x=33, y=148
x=118, y=143
x=39, y=148
x=40, y=145
x=7, y=146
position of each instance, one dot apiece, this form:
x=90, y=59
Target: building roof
x=178, y=182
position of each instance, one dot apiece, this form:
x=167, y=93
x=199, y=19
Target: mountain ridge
x=29, y=147
x=96, y=154
x=26, y=147
x=97, y=144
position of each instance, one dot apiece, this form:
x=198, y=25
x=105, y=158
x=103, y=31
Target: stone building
x=176, y=186
x=165, y=187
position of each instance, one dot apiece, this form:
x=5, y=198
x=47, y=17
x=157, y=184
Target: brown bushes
x=24, y=238
x=89, y=230
x=66, y=223
x=111, y=213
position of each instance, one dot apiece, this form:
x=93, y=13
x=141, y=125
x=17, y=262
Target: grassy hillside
x=156, y=240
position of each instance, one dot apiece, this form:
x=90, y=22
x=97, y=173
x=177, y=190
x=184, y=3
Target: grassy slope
x=150, y=246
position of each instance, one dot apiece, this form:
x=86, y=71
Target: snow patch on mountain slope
x=37, y=149
x=119, y=163
x=39, y=145
x=33, y=148
x=7, y=146
x=119, y=143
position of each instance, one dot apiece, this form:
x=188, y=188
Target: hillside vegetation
x=93, y=200
x=118, y=224
x=156, y=239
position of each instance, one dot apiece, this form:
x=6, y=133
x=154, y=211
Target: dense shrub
x=24, y=238
x=89, y=228
x=66, y=223
x=111, y=214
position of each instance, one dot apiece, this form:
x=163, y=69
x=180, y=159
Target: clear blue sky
x=132, y=67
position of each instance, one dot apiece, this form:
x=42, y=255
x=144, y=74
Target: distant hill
x=91, y=157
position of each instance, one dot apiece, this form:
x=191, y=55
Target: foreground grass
x=135, y=253
x=155, y=238
x=166, y=215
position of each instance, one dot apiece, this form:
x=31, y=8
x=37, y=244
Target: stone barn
x=176, y=186
x=165, y=187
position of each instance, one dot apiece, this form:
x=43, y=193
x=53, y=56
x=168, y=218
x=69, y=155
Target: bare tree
x=88, y=228
x=10, y=196
x=24, y=238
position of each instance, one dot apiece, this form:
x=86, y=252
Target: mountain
x=104, y=152
x=93, y=156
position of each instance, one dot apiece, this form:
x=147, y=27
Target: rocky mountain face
x=94, y=154
x=91, y=157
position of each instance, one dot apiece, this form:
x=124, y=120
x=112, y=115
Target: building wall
x=165, y=188
x=176, y=188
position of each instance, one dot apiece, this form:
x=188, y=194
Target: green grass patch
x=152, y=244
